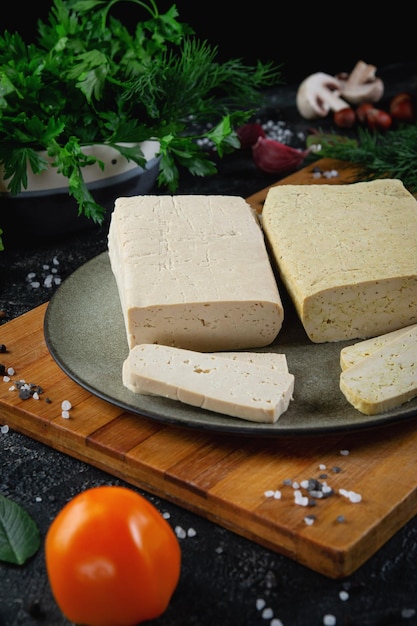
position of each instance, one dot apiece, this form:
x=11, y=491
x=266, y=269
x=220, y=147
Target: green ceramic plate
x=85, y=334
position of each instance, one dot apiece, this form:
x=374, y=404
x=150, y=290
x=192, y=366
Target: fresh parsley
x=89, y=79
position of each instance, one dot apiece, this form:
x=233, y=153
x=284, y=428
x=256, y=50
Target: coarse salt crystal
x=276, y=622
x=166, y=515
x=66, y=405
x=260, y=604
x=344, y=452
x=343, y=595
x=191, y=532
x=329, y=620
x=350, y=495
x=4, y=429
x=65, y=415
x=299, y=498
x=180, y=532
x=267, y=613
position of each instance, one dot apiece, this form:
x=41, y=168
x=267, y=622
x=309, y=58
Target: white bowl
x=45, y=210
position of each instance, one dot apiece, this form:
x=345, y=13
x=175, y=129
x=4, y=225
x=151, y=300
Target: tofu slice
x=235, y=387
x=274, y=360
x=350, y=355
x=344, y=253
x=386, y=378
x=193, y=272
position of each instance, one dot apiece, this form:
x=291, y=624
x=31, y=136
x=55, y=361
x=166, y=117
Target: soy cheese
x=193, y=272
x=386, y=378
x=234, y=387
x=346, y=254
x=350, y=355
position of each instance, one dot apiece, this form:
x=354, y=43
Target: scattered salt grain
x=191, y=532
x=267, y=613
x=166, y=515
x=38, y=499
x=4, y=429
x=65, y=415
x=309, y=520
x=66, y=405
x=407, y=613
x=10, y=371
x=343, y=595
x=329, y=620
x=350, y=495
x=322, y=466
x=180, y=532
x=300, y=499
x=271, y=493
x=276, y=622
x=260, y=604
x=344, y=452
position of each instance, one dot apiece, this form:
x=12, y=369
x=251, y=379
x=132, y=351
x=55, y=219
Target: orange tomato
x=111, y=558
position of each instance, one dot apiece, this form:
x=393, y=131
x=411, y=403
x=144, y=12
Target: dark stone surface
x=223, y=575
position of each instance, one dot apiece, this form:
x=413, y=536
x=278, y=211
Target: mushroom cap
x=318, y=94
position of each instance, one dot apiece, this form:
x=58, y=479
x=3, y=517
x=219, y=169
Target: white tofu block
x=193, y=272
x=350, y=355
x=346, y=254
x=235, y=387
x=386, y=378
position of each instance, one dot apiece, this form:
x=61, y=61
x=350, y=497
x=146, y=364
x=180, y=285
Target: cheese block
x=235, y=387
x=350, y=355
x=193, y=272
x=386, y=378
x=344, y=253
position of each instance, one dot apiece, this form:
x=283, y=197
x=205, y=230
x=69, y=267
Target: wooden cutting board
x=225, y=478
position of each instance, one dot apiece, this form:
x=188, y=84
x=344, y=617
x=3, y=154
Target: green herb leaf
x=19, y=534
x=392, y=153
x=89, y=79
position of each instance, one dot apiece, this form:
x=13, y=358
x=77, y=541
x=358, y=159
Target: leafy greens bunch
x=89, y=79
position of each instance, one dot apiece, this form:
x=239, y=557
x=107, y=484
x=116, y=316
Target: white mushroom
x=361, y=85
x=319, y=94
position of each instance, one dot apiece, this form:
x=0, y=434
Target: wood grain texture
x=224, y=477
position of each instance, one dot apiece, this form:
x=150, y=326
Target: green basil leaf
x=19, y=534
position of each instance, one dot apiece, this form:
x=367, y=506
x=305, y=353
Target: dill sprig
x=390, y=154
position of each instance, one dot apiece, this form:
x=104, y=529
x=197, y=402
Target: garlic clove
x=249, y=133
x=274, y=157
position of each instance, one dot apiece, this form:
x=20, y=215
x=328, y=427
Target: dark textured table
x=225, y=580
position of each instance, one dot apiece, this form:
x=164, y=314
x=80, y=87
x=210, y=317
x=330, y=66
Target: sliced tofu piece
x=344, y=253
x=193, y=272
x=350, y=355
x=274, y=360
x=386, y=378
x=235, y=387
